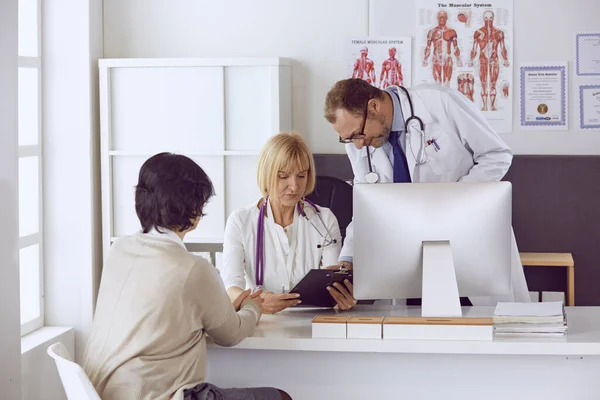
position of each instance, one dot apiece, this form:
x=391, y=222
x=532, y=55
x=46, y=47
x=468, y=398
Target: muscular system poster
x=381, y=61
x=469, y=47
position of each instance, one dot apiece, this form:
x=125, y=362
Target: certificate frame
x=544, y=123
x=582, y=90
x=578, y=66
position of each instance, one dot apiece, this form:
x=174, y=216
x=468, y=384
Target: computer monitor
x=432, y=240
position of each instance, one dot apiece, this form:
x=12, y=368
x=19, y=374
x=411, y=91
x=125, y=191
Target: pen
x=434, y=143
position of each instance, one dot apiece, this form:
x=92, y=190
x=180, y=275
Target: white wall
x=312, y=32
x=95, y=53
x=39, y=375
x=10, y=327
x=72, y=44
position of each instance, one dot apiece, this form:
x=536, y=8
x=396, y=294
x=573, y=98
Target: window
x=30, y=167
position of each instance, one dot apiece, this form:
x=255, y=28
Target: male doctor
x=459, y=145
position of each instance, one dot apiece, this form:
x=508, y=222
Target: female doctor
x=273, y=243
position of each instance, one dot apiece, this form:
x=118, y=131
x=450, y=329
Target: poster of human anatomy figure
x=381, y=61
x=469, y=47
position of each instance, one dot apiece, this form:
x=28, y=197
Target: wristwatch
x=344, y=265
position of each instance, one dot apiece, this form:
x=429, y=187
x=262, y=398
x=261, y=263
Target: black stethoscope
x=421, y=157
x=328, y=238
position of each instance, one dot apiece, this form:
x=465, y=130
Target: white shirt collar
x=168, y=234
x=398, y=119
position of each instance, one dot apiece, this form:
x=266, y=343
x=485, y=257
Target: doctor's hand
x=247, y=294
x=343, y=295
x=273, y=303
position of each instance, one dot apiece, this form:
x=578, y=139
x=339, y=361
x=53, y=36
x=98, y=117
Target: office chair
x=336, y=195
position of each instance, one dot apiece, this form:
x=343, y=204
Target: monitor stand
x=440, y=290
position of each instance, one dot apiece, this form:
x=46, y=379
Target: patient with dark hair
x=158, y=302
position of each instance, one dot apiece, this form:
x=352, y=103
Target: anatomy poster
x=382, y=61
x=469, y=47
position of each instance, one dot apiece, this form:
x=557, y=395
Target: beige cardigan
x=157, y=302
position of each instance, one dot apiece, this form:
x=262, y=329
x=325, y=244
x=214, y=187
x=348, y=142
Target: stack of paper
x=530, y=319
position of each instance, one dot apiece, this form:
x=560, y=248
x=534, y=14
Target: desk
x=282, y=353
x=554, y=260
x=212, y=248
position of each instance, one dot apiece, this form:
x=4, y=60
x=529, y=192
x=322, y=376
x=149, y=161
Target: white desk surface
x=292, y=330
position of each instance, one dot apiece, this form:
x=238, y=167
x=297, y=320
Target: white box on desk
x=365, y=327
x=417, y=328
x=329, y=327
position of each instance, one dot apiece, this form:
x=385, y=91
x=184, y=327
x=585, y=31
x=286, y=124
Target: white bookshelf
x=217, y=111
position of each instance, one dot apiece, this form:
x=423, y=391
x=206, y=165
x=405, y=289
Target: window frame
x=35, y=151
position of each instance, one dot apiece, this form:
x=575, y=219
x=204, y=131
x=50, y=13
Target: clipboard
x=313, y=287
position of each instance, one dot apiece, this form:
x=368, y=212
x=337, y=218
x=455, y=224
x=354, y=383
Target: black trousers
x=207, y=391
x=464, y=301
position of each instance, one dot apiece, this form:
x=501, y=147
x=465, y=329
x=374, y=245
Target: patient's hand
x=343, y=295
x=273, y=303
x=247, y=294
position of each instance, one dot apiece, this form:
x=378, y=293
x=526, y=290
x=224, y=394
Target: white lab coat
x=280, y=273
x=470, y=151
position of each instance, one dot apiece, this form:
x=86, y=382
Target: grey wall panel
x=556, y=208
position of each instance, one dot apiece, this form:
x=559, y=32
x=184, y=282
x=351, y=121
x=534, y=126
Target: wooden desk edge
x=554, y=260
x=547, y=259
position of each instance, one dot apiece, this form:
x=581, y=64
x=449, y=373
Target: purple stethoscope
x=260, y=239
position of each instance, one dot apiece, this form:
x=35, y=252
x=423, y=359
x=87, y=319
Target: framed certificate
x=589, y=107
x=544, y=96
x=587, y=54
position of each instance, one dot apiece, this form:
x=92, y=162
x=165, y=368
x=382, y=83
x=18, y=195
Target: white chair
x=74, y=380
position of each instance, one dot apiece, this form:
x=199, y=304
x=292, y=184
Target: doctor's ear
x=374, y=106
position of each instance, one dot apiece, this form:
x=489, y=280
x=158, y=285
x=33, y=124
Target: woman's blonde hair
x=284, y=152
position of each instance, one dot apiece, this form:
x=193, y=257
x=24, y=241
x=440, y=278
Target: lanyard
x=260, y=245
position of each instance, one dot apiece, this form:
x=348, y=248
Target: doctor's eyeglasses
x=361, y=135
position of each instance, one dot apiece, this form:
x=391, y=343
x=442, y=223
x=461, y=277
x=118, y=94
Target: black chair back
x=336, y=195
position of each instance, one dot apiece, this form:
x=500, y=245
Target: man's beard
x=382, y=138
